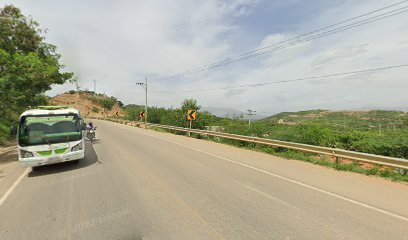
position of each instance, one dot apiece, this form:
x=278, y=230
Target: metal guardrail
x=335, y=152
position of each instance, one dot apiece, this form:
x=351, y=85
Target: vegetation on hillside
x=376, y=132
x=173, y=116
x=105, y=102
x=89, y=103
x=28, y=66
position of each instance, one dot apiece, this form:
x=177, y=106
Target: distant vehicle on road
x=50, y=134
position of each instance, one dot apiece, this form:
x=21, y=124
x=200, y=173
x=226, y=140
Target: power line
x=309, y=33
x=328, y=33
x=331, y=32
x=302, y=35
x=290, y=80
x=290, y=42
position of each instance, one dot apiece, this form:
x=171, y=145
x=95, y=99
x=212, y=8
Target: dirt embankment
x=8, y=153
x=88, y=103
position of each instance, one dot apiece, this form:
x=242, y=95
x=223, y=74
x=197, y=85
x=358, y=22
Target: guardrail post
x=337, y=161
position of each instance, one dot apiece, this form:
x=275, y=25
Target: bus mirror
x=83, y=126
x=13, y=131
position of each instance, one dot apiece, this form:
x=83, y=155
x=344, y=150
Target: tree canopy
x=190, y=104
x=29, y=66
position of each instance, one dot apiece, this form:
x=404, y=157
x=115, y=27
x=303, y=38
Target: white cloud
x=273, y=39
x=374, y=45
x=119, y=44
x=345, y=52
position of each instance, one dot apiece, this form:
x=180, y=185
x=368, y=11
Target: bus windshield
x=47, y=129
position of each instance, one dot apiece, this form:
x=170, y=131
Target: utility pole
x=78, y=88
x=250, y=113
x=146, y=101
x=94, y=86
x=144, y=85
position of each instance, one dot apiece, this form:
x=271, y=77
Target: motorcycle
x=90, y=134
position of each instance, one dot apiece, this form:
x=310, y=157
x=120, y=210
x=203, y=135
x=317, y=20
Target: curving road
x=141, y=184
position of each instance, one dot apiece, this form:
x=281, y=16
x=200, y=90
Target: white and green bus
x=50, y=134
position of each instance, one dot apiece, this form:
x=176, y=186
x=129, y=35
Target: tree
x=107, y=103
x=132, y=111
x=120, y=103
x=28, y=65
x=189, y=104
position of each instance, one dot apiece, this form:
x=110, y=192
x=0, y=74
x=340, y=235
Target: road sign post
x=142, y=115
x=191, y=116
x=146, y=101
x=189, y=134
x=144, y=85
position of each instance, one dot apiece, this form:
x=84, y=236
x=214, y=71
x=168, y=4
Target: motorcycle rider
x=90, y=127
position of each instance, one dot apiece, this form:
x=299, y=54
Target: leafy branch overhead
x=29, y=66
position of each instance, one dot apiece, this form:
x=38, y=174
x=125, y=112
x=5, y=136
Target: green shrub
x=95, y=110
x=107, y=103
x=395, y=146
x=4, y=133
x=93, y=99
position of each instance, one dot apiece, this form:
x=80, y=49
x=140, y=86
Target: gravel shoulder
x=10, y=168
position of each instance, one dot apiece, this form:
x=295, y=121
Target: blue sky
x=119, y=44
x=270, y=17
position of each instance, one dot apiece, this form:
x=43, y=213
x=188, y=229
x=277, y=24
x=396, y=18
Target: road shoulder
x=10, y=168
x=378, y=192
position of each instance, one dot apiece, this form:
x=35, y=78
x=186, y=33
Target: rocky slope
x=89, y=104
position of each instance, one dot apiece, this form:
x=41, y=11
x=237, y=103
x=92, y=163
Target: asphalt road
x=142, y=184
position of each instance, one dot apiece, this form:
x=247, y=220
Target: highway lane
x=141, y=184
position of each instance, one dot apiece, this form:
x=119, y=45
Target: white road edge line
x=11, y=189
x=266, y=195
x=385, y=212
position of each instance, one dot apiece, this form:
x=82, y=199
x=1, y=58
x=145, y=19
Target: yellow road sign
x=191, y=115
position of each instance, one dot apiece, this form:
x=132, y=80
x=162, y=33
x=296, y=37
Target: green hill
x=337, y=120
x=378, y=132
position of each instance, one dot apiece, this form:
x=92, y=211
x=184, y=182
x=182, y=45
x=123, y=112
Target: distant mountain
x=222, y=112
x=352, y=119
x=370, y=108
x=230, y=113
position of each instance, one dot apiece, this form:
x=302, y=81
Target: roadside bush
x=4, y=133
x=93, y=99
x=347, y=139
x=95, y=110
x=107, y=103
x=388, y=146
x=316, y=135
